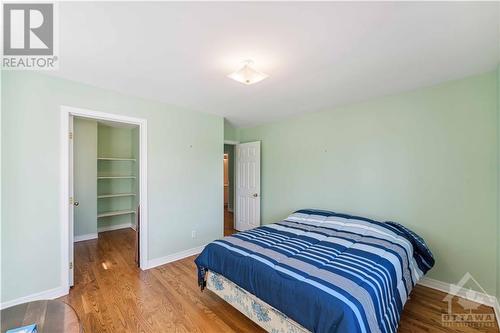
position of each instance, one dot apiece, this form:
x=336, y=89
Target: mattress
x=326, y=271
x=255, y=309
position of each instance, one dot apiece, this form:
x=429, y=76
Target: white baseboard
x=47, y=294
x=116, y=227
x=82, y=238
x=174, y=257
x=462, y=292
x=445, y=287
x=435, y=284
x=497, y=311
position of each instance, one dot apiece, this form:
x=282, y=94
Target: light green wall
x=85, y=173
x=184, y=171
x=115, y=141
x=426, y=158
x=118, y=142
x=230, y=132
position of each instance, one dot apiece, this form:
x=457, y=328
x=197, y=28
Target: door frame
x=67, y=113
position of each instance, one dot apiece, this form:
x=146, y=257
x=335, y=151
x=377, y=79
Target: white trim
x=231, y=142
x=63, y=199
x=461, y=292
x=445, y=287
x=85, y=237
x=435, y=284
x=66, y=112
x=82, y=238
x=116, y=227
x=174, y=257
x=71, y=207
x=496, y=307
x=47, y=294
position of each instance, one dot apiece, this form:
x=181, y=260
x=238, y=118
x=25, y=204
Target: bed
x=318, y=271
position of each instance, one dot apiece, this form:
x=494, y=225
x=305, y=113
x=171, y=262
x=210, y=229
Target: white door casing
x=71, y=206
x=66, y=190
x=247, y=204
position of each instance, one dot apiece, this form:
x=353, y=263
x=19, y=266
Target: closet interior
x=117, y=175
x=106, y=177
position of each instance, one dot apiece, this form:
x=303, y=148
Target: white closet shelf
x=115, y=159
x=114, y=195
x=116, y=213
x=116, y=177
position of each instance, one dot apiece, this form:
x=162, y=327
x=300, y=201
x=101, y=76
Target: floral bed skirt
x=258, y=311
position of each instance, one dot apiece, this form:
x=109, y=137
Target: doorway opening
x=105, y=158
x=229, y=183
x=105, y=183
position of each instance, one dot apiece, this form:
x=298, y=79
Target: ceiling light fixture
x=248, y=75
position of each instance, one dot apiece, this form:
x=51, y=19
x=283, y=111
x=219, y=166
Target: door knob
x=76, y=203
x=255, y=195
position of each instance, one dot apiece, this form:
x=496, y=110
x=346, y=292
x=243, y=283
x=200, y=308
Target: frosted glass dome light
x=247, y=74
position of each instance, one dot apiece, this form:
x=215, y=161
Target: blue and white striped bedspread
x=329, y=272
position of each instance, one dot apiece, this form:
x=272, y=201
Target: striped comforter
x=329, y=272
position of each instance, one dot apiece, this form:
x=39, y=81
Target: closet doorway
x=105, y=184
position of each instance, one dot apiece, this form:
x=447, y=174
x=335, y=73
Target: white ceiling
x=318, y=55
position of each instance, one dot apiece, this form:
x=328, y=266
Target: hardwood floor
x=112, y=295
x=228, y=222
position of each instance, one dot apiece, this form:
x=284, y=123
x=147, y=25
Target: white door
x=247, y=186
x=71, y=202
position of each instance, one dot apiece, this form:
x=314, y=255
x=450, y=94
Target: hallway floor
x=228, y=222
